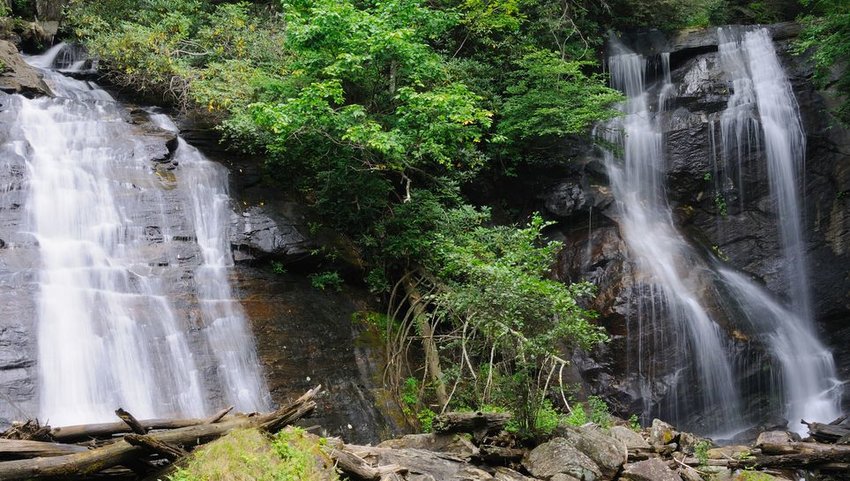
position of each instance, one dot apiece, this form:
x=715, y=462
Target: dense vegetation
x=827, y=35
x=385, y=114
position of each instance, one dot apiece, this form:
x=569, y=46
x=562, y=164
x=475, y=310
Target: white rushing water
x=227, y=331
x=658, y=249
x=761, y=112
x=109, y=336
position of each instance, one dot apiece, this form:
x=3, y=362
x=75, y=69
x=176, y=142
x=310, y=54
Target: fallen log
x=22, y=449
x=106, y=430
x=155, y=446
x=477, y=422
x=827, y=433
x=800, y=448
x=123, y=453
x=131, y=421
x=803, y=460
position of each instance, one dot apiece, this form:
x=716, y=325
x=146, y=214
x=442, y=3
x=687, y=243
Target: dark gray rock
x=18, y=77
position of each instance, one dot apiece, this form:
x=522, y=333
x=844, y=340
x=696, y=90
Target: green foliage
x=577, y=416
x=248, y=455
x=634, y=423
x=599, y=412
x=720, y=204
x=550, y=96
x=278, y=268
x=326, y=280
x=826, y=34
x=547, y=419
x=701, y=451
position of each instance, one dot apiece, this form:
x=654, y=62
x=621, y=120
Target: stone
x=629, y=438
x=17, y=76
x=650, y=470
x=687, y=442
x=507, y=474
x=454, y=444
x=773, y=437
x=422, y=464
x=559, y=456
x=563, y=477
x=605, y=451
x=662, y=433
x=729, y=452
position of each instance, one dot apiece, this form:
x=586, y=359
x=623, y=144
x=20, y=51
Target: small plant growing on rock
x=701, y=451
x=278, y=268
x=325, y=280
x=634, y=423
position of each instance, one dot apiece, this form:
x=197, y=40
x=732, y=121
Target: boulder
x=606, y=451
x=17, y=76
x=688, y=442
x=650, y=470
x=559, y=456
x=661, y=433
x=454, y=444
x=507, y=474
x=629, y=438
x=773, y=438
x=421, y=464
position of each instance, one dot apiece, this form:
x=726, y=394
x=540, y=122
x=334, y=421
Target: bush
x=248, y=455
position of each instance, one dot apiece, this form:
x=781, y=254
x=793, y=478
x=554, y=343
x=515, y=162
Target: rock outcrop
x=16, y=77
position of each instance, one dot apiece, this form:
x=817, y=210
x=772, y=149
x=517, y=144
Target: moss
x=249, y=455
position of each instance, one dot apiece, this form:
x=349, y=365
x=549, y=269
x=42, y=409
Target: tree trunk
x=432, y=355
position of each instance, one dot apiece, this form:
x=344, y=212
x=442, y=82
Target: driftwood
x=22, y=449
x=474, y=423
x=816, y=459
x=106, y=430
x=131, y=421
x=155, y=446
x=132, y=451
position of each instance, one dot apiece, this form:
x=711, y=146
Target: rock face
x=16, y=77
x=740, y=231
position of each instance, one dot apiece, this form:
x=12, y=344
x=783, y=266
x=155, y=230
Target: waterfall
x=702, y=301
x=109, y=331
x=660, y=251
x=764, y=114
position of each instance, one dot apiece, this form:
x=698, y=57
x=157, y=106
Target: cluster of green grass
x=249, y=455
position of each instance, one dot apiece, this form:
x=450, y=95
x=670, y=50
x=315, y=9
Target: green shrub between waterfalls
x=249, y=455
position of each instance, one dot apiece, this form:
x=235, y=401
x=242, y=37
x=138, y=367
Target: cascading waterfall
x=659, y=250
x=696, y=296
x=227, y=332
x=766, y=115
x=108, y=334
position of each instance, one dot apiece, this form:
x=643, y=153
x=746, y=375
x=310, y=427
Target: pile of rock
x=584, y=453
